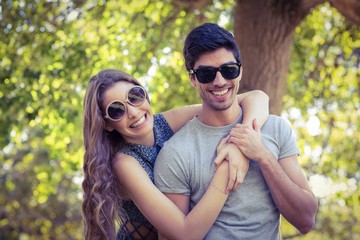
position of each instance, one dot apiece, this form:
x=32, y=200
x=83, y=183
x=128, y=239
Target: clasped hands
x=243, y=143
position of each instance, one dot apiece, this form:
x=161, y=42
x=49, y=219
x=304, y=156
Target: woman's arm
x=163, y=213
x=177, y=117
x=254, y=103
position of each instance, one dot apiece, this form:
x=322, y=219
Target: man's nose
x=219, y=79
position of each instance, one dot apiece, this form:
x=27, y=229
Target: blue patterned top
x=146, y=157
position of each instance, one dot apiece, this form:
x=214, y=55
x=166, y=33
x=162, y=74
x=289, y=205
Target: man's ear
x=241, y=71
x=192, y=80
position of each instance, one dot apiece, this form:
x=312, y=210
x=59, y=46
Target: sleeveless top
x=146, y=157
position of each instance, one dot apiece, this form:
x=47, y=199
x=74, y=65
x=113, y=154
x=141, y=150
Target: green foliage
x=50, y=49
x=325, y=78
x=40, y=105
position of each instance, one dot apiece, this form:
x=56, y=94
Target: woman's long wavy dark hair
x=102, y=206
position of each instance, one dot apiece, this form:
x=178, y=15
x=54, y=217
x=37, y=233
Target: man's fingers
x=235, y=141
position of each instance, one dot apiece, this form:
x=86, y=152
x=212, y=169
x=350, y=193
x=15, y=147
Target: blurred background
x=304, y=54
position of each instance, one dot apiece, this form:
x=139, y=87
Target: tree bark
x=264, y=30
x=349, y=8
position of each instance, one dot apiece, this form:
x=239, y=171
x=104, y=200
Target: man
x=274, y=183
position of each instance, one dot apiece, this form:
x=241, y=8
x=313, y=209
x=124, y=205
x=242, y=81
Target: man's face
x=219, y=94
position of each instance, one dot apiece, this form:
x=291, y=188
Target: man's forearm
x=295, y=202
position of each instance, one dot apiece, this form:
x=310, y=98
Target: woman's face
x=137, y=124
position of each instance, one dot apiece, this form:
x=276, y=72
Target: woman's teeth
x=138, y=123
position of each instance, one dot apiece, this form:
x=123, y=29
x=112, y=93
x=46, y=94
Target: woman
x=122, y=140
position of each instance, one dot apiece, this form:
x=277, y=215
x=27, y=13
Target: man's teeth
x=219, y=93
x=138, y=123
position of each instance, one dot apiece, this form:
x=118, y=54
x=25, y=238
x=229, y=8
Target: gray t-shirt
x=185, y=166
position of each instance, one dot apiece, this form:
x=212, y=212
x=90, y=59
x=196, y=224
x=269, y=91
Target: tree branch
x=191, y=4
x=349, y=8
x=307, y=5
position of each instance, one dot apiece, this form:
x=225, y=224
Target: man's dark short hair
x=205, y=38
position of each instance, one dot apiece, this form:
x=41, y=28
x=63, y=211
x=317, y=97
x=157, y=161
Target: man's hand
x=249, y=140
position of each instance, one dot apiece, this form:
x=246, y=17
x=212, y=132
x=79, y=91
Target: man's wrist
x=265, y=158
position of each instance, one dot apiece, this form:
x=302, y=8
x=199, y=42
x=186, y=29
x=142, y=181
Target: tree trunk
x=264, y=31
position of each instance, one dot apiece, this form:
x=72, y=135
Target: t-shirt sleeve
x=288, y=146
x=170, y=172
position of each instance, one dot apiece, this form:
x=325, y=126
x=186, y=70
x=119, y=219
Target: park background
x=304, y=54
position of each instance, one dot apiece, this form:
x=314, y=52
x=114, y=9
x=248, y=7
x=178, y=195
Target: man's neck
x=219, y=118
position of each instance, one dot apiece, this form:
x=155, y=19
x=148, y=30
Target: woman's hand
x=238, y=163
x=221, y=145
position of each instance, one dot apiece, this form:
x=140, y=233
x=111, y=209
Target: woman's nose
x=132, y=111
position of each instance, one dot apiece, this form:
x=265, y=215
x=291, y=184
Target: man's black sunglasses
x=229, y=71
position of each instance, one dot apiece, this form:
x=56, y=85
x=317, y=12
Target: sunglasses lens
x=206, y=75
x=136, y=96
x=116, y=110
x=230, y=71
